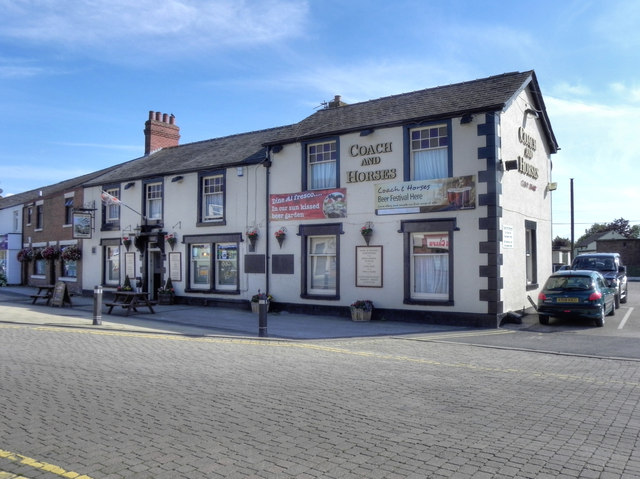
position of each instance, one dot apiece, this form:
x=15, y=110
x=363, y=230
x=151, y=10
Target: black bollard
x=262, y=315
x=97, y=305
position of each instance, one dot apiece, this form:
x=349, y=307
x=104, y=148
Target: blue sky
x=78, y=77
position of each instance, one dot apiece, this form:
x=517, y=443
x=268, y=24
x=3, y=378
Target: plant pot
x=165, y=298
x=255, y=307
x=360, y=315
x=367, y=238
x=280, y=240
x=252, y=244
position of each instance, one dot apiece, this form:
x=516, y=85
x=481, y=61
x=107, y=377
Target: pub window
x=112, y=210
x=430, y=266
x=212, y=191
x=429, y=152
x=428, y=252
x=153, y=203
x=111, y=265
x=321, y=165
x=213, y=263
x=29, y=215
x=531, y=259
x=321, y=261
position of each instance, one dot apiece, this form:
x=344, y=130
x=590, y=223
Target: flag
x=108, y=199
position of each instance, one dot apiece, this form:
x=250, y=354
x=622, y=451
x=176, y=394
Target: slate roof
x=50, y=190
x=228, y=151
x=494, y=93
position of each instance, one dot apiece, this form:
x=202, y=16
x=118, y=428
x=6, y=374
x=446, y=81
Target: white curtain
x=431, y=164
x=213, y=205
x=431, y=274
x=323, y=175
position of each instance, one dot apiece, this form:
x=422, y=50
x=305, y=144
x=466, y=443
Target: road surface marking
x=624, y=320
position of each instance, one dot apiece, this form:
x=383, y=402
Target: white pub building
x=434, y=204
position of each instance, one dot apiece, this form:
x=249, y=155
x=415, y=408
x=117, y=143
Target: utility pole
x=572, y=222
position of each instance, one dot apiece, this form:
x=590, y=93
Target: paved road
x=109, y=404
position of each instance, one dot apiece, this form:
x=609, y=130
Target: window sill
x=532, y=286
x=429, y=302
x=211, y=223
x=328, y=297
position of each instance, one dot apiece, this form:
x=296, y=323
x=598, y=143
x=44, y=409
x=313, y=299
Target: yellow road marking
x=43, y=466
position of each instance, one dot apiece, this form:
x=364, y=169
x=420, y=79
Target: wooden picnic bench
x=45, y=292
x=130, y=301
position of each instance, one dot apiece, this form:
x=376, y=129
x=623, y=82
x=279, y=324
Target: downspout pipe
x=267, y=165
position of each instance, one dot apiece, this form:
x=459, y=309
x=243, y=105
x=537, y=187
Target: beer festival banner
x=309, y=205
x=457, y=193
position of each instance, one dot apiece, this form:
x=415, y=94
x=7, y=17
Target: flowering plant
x=37, y=253
x=280, y=233
x=171, y=239
x=167, y=288
x=256, y=297
x=126, y=286
x=363, y=304
x=50, y=253
x=126, y=241
x=71, y=253
x=25, y=254
x=252, y=233
x=366, y=230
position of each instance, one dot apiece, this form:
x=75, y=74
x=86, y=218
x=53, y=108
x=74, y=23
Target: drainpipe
x=267, y=165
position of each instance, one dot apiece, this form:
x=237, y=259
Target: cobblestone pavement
x=99, y=404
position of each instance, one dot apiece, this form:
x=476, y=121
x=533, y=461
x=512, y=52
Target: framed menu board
x=369, y=266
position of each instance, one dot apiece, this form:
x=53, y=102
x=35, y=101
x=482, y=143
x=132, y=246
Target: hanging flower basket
x=252, y=236
x=366, y=231
x=171, y=239
x=126, y=241
x=71, y=253
x=25, y=255
x=280, y=235
x=50, y=253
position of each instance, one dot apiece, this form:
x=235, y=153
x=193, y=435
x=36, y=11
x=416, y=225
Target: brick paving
x=117, y=404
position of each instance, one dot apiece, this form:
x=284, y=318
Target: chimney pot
x=165, y=118
x=158, y=116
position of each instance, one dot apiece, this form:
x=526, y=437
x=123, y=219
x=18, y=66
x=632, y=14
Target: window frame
x=147, y=184
x=39, y=216
x=409, y=228
x=111, y=245
x=306, y=179
x=68, y=210
x=307, y=232
x=212, y=242
x=203, y=220
x=408, y=159
x=109, y=222
x=531, y=254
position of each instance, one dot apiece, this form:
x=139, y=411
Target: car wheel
x=613, y=309
x=626, y=293
x=600, y=321
x=543, y=318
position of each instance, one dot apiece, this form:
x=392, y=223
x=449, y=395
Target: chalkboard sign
x=60, y=294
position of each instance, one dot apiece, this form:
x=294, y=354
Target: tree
x=560, y=243
x=619, y=226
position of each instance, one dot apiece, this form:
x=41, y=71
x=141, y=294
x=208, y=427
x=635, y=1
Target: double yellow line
x=42, y=466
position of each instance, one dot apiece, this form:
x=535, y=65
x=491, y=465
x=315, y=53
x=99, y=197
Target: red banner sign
x=309, y=205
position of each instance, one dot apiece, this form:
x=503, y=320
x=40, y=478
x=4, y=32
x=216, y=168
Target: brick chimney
x=160, y=131
x=336, y=102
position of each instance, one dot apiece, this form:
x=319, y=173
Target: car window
x=594, y=264
x=574, y=283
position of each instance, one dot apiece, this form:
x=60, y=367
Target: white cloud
x=155, y=27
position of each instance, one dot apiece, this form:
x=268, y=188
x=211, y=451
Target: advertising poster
x=309, y=205
x=457, y=193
